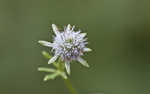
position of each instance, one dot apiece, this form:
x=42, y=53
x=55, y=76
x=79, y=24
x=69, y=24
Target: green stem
x=69, y=86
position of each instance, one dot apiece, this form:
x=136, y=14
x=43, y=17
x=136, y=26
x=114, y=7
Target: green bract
x=53, y=72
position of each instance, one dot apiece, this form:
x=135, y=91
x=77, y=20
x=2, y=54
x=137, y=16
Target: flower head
x=68, y=45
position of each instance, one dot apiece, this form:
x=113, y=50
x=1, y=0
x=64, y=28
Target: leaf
x=46, y=69
x=46, y=54
x=51, y=76
x=63, y=75
x=56, y=64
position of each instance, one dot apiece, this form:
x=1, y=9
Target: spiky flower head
x=68, y=45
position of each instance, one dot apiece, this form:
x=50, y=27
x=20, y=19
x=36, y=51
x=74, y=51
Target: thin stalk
x=70, y=86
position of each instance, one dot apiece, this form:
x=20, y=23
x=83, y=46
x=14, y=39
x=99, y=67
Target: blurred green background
x=118, y=32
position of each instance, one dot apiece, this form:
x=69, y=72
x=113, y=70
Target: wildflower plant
x=67, y=46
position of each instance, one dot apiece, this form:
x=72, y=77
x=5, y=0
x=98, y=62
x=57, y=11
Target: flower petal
x=73, y=28
x=67, y=65
x=45, y=43
x=53, y=59
x=83, y=34
x=83, y=62
x=87, y=49
x=55, y=29
x=68, y=28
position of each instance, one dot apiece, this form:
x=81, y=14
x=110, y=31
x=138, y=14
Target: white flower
x=69, y=45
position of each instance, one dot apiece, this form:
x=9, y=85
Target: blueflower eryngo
x=69, y=45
